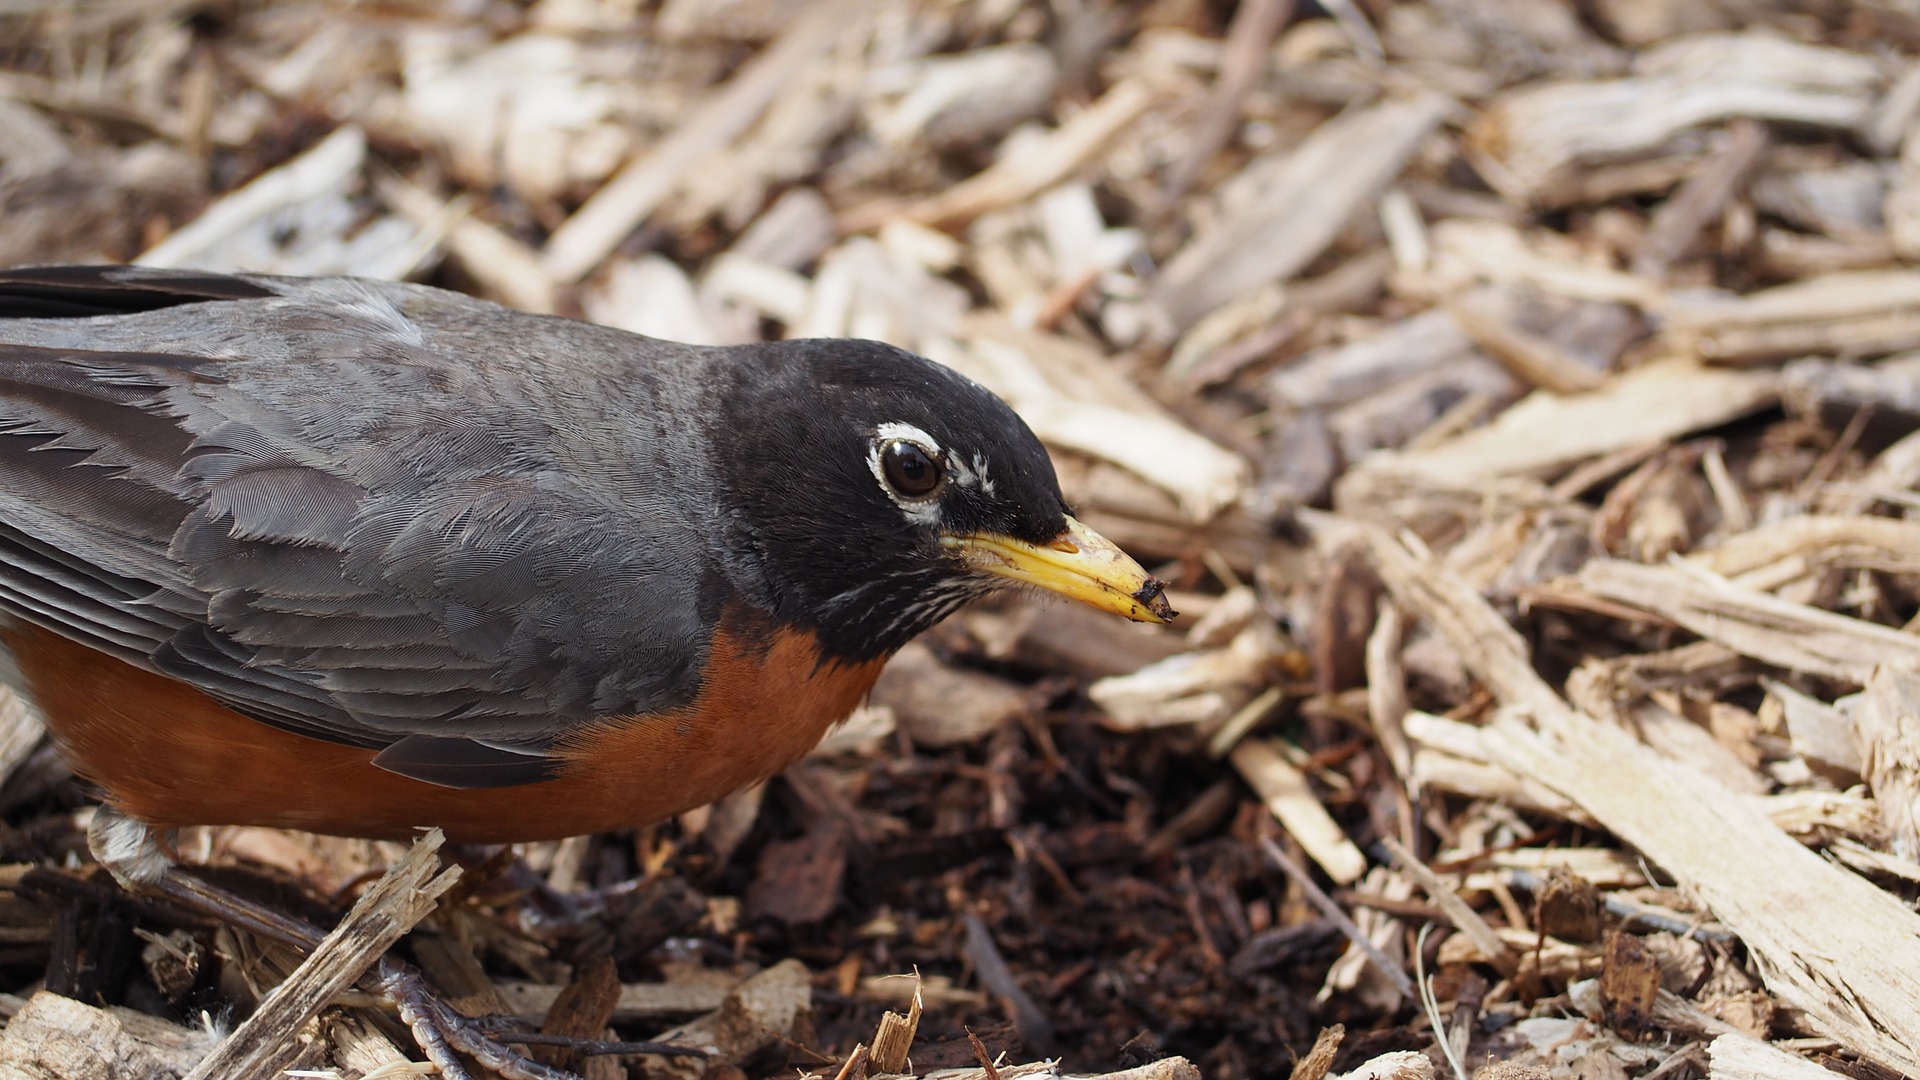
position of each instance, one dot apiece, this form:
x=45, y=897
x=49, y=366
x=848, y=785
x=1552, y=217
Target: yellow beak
x=1079, y=564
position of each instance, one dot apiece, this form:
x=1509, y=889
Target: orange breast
x=170, y=755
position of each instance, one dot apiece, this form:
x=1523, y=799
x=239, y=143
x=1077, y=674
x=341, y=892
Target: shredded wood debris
x=1521, y=397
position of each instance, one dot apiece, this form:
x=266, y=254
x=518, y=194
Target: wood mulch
x=1521, y=395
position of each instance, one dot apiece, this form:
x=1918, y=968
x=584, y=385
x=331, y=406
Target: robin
x=356, y=557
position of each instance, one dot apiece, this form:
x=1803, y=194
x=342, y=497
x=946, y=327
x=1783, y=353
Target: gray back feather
x=363, y=511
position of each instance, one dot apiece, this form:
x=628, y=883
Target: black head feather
x=795, y=432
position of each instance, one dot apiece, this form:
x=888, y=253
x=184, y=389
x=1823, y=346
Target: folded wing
x=294, y=497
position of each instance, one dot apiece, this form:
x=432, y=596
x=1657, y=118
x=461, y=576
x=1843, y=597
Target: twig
x=1255, y=25
x=1829, y=461
x=1034, y=1027
x=1679, y=220
x=1467, y=920
x=1395, y=974
x=1359, y=31
x=264, y=1044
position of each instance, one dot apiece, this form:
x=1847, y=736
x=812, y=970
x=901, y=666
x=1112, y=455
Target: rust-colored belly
x=170, y=755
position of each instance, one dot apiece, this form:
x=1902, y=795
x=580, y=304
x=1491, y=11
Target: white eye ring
x=923, y=509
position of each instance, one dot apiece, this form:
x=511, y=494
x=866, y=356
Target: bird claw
x=441, y=1031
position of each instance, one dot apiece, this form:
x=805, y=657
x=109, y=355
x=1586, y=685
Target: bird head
x=886, y=491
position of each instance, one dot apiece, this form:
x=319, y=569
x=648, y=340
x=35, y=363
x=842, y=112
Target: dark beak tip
x=1153, y=597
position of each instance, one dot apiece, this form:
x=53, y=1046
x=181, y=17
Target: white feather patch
x=126, y=847
x=971, y=474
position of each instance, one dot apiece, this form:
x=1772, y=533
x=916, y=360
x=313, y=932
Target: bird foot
x=440, y=1030
x=134, y=856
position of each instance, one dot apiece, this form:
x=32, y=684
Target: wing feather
x=340, y=519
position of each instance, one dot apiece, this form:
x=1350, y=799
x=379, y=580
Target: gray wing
x=375, y=514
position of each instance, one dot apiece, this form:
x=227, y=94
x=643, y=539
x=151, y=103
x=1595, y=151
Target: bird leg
x=134, y=856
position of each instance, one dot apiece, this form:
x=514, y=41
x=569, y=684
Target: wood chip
x=1820, y=733
x=1298, y=202
x=893, y=1041
x=1536, y=133
x=1549, y=432
x=599, y=226
x=581, y=1011
x=1793, y=636
x=1040, y=164
x=1464, y=918
x=57, y=1038
x=267, y=1042
x=1741, y=1057
x=1859, y=313
x=945, y=706
x=1826, y=941
x=1319, y=1060
x=637, y=1001
x=1285, y=791
x=1886, y=727
x=295, y=220
x=753, y=1014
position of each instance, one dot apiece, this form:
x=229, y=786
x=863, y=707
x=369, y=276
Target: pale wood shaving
x=1794, y=636
x=1886, y=727
x=1291, y=800
x=1734, y=1056
x=1853, y=973
x=51, y=1036
x=1043, y=162
x=1549, y=432
x=596, y=229
x=1285, y=211
x=1536, y=133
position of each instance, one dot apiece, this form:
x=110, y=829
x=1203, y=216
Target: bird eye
x=910, y=472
